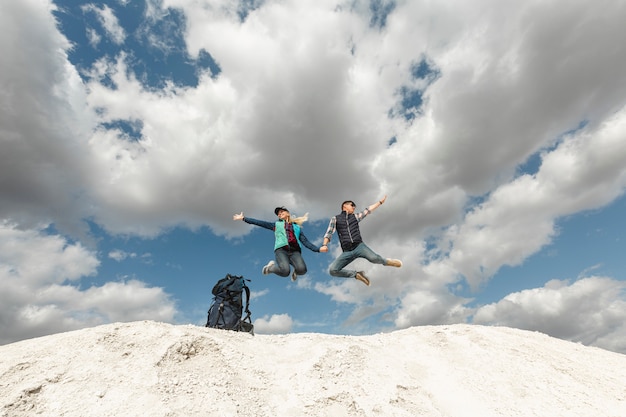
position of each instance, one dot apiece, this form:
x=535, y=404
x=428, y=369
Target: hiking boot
x=266, y=268
x=360, y=276
x=294, y=276
x=394, y=262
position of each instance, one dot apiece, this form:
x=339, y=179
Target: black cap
x=277, y=209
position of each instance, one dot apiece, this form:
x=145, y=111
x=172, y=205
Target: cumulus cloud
x=589, y=310
x=585, y=171
x=274, y=324
x=44, y=122
x=40, y=292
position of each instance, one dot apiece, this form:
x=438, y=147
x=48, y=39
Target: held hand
x=238, y=216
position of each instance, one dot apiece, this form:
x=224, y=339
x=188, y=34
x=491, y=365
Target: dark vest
x=347, y=227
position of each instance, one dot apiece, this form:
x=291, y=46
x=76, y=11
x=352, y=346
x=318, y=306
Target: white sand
x=157, y=369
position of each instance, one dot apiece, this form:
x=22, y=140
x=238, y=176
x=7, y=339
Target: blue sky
x=132, y=131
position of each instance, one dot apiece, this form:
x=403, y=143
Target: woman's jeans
x=361, y=251
x=286, y=257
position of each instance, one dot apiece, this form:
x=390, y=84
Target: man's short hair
x=348, y=202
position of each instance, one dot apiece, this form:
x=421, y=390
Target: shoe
x=361, y=277
x=394, y=262
x=266, y=268
x=294, y=276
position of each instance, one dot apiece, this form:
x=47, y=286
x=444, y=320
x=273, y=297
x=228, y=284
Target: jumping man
x=346, y=224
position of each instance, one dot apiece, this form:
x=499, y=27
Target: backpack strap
x=247, y=309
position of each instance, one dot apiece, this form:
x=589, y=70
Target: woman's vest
x=280, y=234
x=347, y=226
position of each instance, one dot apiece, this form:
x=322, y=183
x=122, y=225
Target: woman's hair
x=298, y=220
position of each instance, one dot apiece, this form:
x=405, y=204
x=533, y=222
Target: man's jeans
x=361, y=251
x=285, y=257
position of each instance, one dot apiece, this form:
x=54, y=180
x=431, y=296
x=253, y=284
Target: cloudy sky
x=132, y=131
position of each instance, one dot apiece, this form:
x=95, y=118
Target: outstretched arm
x=377, y=204
x=250, y=220
x=371, y=208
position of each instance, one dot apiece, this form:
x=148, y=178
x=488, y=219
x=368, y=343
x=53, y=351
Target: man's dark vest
x=347, y=227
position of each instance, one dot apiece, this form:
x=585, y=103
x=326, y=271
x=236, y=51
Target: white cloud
x=258, y=294
x=328, y=82
x=39, y=294
x=94, y=37
x=586, y=171
x=32, y=257
x=590, y=310
x=275, y=324
x=109, y=22
x=120, y=255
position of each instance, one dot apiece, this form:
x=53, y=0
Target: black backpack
x=227, y=307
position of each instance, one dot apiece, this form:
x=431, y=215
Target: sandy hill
x=157, y=369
